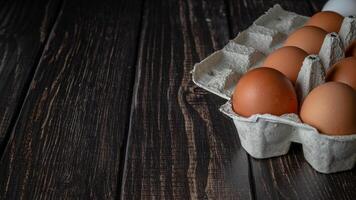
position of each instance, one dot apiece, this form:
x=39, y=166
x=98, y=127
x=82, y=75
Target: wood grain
x=180, y=146
x=68, y=139
x=290, y=176
x=24, y=29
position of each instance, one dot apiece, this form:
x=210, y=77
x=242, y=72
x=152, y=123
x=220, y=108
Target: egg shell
x=344, y=7
x=344, y=71
x=287, y=60
x=308, y=38
x=331, y=108
x=264, y=90
x=327, y=20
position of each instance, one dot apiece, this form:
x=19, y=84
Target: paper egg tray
x=264, y=135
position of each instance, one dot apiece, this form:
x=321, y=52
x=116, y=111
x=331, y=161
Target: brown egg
x=287, y=60
x=308, y=38
x=264, y=90
x=351, y=50
x=331, y=108
x=326, y=20
x=344, y=71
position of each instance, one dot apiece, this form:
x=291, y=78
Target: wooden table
x=97, y=102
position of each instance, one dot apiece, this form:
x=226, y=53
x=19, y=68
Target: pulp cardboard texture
x=264, y=135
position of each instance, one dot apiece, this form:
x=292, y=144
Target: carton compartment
x=266, y=136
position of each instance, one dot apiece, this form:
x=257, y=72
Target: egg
x=327, y=20
x=331, y=108
x=344, y=7
x=351, y=49
x=308, y=38
x=264, y=90
x=343, y=71
x=287, y=60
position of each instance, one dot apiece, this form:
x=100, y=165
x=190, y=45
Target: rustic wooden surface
x=179, y=145
x=24, y=29
x=69, y=136
x=97, y=103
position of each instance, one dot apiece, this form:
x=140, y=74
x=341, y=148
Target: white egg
x=343, y=7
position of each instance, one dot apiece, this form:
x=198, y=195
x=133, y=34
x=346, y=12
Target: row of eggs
x=330, y=107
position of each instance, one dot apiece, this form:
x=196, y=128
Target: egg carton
x=265, y=135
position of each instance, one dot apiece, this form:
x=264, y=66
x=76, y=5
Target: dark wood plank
x=68, y=140
x=24, y=29
x=290, y=176
x=180, y=146
x=317, y=5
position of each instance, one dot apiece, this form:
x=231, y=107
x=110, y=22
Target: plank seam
x=26, y=90
x=228, y=19
x=134, y=85
x=251, y=177
x=311, y=6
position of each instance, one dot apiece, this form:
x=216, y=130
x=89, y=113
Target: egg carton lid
x=220, y=72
